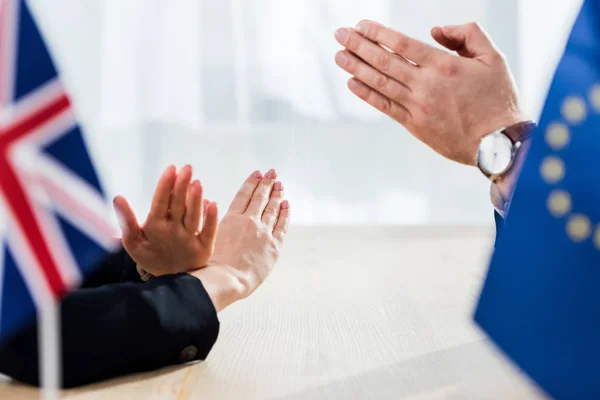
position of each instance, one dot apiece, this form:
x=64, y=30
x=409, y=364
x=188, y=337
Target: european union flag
x=541, y=299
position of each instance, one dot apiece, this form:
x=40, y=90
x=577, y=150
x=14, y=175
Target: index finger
x=413, y=49
x=384, y=62
x=242, y=198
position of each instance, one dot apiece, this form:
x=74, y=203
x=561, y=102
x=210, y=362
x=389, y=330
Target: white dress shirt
x=501, y=192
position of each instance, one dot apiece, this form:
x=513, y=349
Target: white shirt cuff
x=500, y=204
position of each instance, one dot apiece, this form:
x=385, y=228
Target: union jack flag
x=53, y=213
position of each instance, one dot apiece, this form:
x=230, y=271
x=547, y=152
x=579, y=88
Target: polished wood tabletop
x=349, y=313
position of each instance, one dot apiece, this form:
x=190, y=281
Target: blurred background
x=230, y=86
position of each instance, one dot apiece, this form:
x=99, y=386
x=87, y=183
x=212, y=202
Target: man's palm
x=169, y=241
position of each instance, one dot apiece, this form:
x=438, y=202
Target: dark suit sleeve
x=122, y=328
x=118, y=267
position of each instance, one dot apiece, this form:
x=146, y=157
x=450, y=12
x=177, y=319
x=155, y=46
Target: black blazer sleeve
x=121, y=328
x=118, y=267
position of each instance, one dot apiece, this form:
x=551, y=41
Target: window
x=231, y=86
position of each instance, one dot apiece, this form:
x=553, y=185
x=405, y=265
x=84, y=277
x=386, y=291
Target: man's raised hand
x=174, y=238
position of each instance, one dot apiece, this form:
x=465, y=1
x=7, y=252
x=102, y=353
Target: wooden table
x=349, y=313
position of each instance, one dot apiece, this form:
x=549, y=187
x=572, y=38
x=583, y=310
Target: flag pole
x=50, y=349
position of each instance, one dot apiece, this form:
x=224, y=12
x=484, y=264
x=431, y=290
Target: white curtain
x=234, y=85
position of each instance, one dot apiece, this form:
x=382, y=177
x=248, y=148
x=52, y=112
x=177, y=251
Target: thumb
x=127, y=221
x=468, y=40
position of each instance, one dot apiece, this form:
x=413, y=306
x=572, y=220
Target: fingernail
x=341, y=35
x=278, y=186
x=341, y=59
x=361, y=28
x=285, y=205
x=271, y=174
x=257, y=174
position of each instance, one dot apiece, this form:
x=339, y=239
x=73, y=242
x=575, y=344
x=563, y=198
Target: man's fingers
x=269, y=216
x=451, y=43
x=283, y=222
x=388, y=63
x=242, y=198
x=391, y=108
x=401, y=44
x=468, y=40
x=384, y=84
x=180, y=192
x=162, y=193
x=193, y=208
x=209, y=230
x=261, y=195
x=127, y=221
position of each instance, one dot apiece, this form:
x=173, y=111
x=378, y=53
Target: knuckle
x=401, y=75
x=447, y=67
x=364, y=92
x=384, y=105
x=383, y=60
x=352, y=42
x=369, y=29
x=399, y=44
x=248, y=186
x=397, y=112
x=349, y=64
x=373, y=99
x=380, y=82
x=244, y=195
x=260, y=196
x=281, y=230
x=498, y=57
x=374, y=30
x=251, y=223
x=473, y=27
x=272, y=211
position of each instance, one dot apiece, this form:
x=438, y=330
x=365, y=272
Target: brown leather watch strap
x=145, y=276
x=521, y=131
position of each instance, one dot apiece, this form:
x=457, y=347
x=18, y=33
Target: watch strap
x=145, y=276
x=520, y=132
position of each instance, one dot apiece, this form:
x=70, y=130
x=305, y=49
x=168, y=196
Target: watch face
x=495, y=153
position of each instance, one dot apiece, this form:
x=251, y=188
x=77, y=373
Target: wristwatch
x=145, y=276
x=497, y=151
